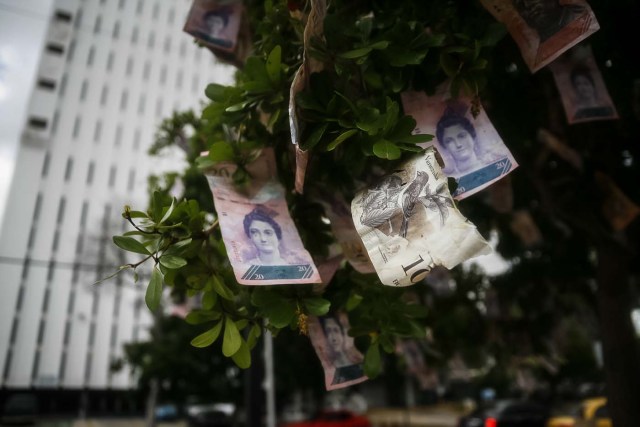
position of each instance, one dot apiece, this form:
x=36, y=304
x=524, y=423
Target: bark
x=620, y=348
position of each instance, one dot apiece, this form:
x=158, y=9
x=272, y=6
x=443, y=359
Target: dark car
x=334, y=418
x=507, y=413
x=210, y=418
x=19, y=409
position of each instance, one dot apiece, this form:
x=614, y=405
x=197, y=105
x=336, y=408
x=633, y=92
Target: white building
x=79, y=110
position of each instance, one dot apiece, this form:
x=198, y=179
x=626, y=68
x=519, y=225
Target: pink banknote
x=584, y=95
x=544, y=29
x=471, y=148
x=341, y=360
x=262, y=242
x=215, y=23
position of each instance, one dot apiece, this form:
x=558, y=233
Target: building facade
x=108, y=73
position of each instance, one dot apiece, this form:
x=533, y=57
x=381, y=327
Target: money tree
x=351, y=129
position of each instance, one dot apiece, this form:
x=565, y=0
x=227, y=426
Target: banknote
x=617, y=208
x=262, y=242
x=314, y=28
x=409, y=224
x=339, y=215
x=215, y=23
x=341, y=360
x=327, y=270
x=472, y=150
x=584, y=95
x=544, y=29
x=561, y=149
x=416, y=364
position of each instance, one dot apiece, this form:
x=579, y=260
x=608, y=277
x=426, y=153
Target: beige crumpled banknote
x=409, y=223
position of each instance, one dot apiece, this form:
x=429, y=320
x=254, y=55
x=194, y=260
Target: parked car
x=211, y=415
x=19, y=409
x=334, y=418
x=588, y=413
x=507, y=413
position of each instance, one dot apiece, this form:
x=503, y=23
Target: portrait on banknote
x=215, y=23
x=409, y=223
x=584, y=94
x=341, y=360
x=261, y=239
x=544, y=29
x=470, y=147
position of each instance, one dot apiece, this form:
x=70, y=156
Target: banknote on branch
x=261, y=239
x=584, y=94
x=544, y=29
x=473, y=152
x=409, y=223
x=314, y=28
x=341, y=360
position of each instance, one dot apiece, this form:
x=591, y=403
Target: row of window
x=89, y=179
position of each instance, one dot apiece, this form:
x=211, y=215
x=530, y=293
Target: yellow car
x=590, y=413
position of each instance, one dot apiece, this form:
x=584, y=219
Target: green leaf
x=196, y=317
x=169, y=211
x=448, y=64
x=386, y=150
x=138, y=214
x=157, y=205
x=254, y=333
x=356, y=53
x=154, y=290
x=317, y=306
x=416, y=311
x=172, y=261
x=341, y=138
x=130, y=244
x=315, y=136
x=372, y=365
x=209, y=300
x=415, y=139
x=220, y=288
x=178, y=247
x=207, y=338
x=221, y=151
x=232, y=340
x=273, y=64
x=242, y=357
x=353, y=301
x=216, y=92
x=379, y=45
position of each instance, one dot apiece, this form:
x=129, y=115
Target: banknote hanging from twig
x=409, y=223
x=584, y=95
x=262, y=241
x=473, y=152
x=341, y=360
x=544, y=29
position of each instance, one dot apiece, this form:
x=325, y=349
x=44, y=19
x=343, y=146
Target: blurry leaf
x=207, y=338
x=353, y=301
x=209, y=300
x=317, y=306
x=448, y=64
x=273, y=64
x=130, y=244
x=172, y=261
x=220, y=288
x=341, y=138
x=356, y=53
x=315, y=136
x=220, y=152
x=254, y=333
x=154, y=290
x=372, y=365
x=169, y=211
x=386, y=150
x=232, y=339
x=242, y=357
x=196, y=317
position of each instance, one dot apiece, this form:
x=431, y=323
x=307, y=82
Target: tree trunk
x=619, y=344
x=152, y=399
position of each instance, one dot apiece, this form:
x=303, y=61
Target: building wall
x=109, y=72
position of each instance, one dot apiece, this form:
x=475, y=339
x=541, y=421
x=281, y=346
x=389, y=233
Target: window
x=129, y=66
x=46, y=84
x=83, y=90
x=54, y=122
x=97, y=133
x=179, y=78
x=152, y=40
x=120, y=4
x=167, y=44
x=79, y=244
x=92, y=334
x=112, y=176
x=90, y=173
x=63, y=85
x=56, y=241
x=195, y=83
x=110, y=61
x=114, y=335
x=156, y=10
x=62, y=16
x=98, y=25
x=38, y=123
x=84, y=213
x=116, y=30
x=68, y=170
x=134, y=35
x=141, y=103
x=38, y=206
x=55, y=48
x=92, y=54
x=163, y=74
x=76, y=127
x=32, y=238
x=159, y=107
x=104, y=95
x=25, y=267
x=45, y=164
x=139, y=7
x=136, y=139
x=61, y=207
x=79, y=18
x=123, y=99
x=146, y=71
x=118, y=139
x=172, y=15
x=72, y=50
x=67, y=326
